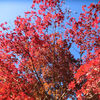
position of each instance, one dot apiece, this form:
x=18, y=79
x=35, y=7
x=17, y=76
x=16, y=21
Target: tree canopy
x=35, y=58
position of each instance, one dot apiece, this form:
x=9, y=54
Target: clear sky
x=9, y=9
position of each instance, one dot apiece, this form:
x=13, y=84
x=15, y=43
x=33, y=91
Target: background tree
x=86, y=34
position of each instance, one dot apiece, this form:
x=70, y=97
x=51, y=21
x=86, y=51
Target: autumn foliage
x=35, y=58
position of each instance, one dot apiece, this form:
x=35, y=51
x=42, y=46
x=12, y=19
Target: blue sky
x=10, y=9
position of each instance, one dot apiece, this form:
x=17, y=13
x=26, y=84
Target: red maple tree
x=35, y=58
